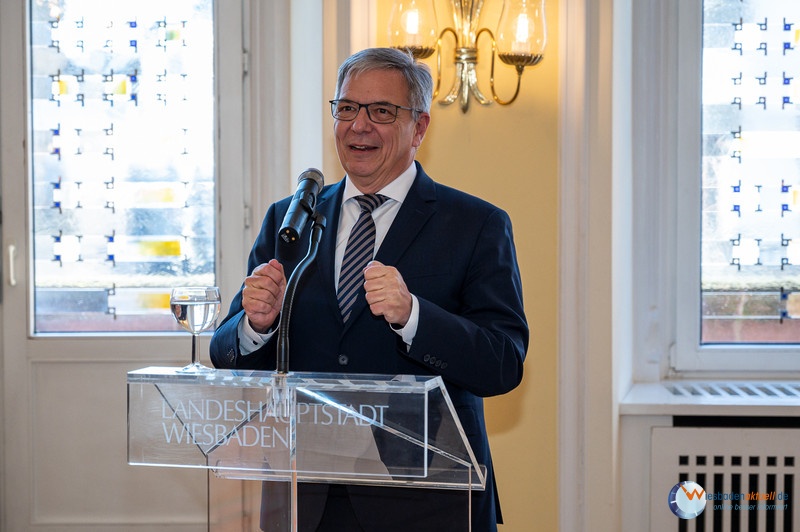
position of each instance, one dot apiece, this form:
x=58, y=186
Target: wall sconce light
x=520, y=42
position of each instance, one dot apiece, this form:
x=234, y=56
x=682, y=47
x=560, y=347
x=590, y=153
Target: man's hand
x=387, y=294
x=262, y=295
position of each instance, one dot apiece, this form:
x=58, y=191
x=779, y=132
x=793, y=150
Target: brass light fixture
x=520, y=42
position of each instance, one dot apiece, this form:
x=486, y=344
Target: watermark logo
x=687, y=499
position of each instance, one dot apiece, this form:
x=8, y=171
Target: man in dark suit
x=442, y=296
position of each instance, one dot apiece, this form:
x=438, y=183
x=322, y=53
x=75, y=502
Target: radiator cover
x=732, y=464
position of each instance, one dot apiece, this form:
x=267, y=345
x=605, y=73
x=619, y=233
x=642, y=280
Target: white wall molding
x=594, y=262
x=571, y=445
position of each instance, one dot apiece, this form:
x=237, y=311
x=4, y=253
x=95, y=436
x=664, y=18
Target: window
x=122, y=161
x=715, y=187
x=751, y=172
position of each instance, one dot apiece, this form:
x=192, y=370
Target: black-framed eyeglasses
x=378, y=112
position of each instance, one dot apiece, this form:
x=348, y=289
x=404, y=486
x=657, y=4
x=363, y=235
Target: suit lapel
x=415, y=212
x=417, y=208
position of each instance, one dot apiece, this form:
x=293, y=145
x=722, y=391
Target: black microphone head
x=302, y=206
x=313, y=174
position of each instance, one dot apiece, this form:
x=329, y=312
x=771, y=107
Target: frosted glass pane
x=751, y=171
x=122, y=151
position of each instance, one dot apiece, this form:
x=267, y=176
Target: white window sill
x=713, y=398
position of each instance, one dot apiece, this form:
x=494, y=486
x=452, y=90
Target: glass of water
x=195, y=308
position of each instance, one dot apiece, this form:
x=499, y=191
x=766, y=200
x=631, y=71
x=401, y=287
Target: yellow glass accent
x=154, y=301
x=160, y=248
x=155, y=195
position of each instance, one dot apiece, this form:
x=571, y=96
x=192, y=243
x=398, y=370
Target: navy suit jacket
x=456, y=255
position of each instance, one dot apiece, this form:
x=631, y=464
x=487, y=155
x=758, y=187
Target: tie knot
x=370, y=202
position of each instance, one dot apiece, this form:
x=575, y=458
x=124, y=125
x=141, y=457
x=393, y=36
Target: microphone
x=309, y=184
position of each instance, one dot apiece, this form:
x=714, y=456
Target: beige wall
x=509, y=156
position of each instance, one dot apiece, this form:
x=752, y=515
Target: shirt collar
x=396, y=190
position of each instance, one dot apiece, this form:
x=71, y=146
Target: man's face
x=373, y=154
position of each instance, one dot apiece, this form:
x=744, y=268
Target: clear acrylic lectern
x=301, y=427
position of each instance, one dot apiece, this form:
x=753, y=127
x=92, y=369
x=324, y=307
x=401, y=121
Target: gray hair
x=417, y=75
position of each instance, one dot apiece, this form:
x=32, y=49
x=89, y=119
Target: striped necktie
x=359, y=251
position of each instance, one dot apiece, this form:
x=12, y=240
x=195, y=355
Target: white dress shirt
x=384, y=215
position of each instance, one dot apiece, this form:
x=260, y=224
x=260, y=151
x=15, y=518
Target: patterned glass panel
x=122, y=150
x=751, y=172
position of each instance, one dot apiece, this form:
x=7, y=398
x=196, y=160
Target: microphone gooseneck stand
x=282, y=365
x=283, y=398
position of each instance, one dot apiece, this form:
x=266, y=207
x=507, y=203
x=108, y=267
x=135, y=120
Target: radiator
x=748, y=476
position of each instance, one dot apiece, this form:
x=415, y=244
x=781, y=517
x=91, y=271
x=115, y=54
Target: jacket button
x=432, y=361
x=426, y=358
x=343, y=360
